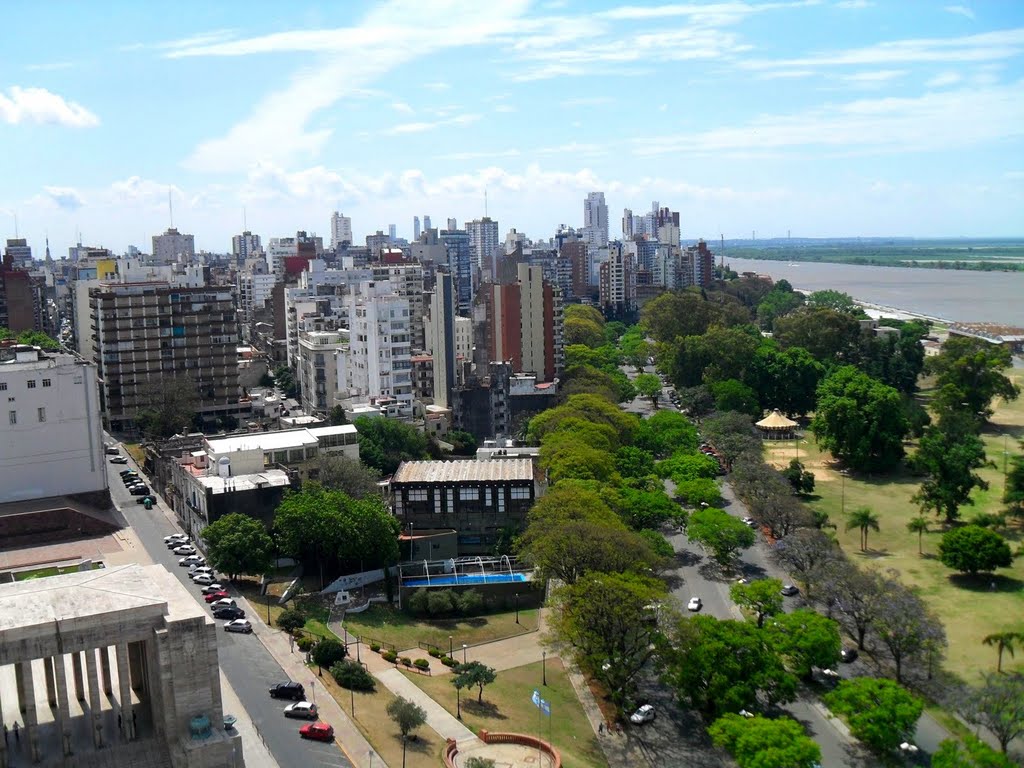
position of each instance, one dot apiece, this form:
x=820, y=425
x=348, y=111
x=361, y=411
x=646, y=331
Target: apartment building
x=318, y=368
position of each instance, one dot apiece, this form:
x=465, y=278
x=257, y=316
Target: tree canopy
x=879, y=712
x=805, y=639
x=970, y=375
x=474, y=673
x=999, y=706
x=337, y=472
x=721, y=534
x=759, y=742
x=972, y=549
x=172, y=403
x=386, y=443
x=237, y=544
x=972, y=752
x=762, y=597
x=948, y=456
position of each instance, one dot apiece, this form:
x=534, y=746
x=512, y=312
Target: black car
x=139, y=490
x=289, y=690
x=848, y=654
x=228, y=612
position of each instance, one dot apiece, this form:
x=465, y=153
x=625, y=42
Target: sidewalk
x=616, y=746
x=438, y=717
x=254, y=750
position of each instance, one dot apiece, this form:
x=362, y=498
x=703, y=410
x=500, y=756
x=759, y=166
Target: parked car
x=695, y=604
x=190, y=560
x=789, y=590
x=317, y=732
x=220, y=594
x=175, y=537
x=303, y=709
x=196, y=569
x=848, y=654
x=111, y=450
x=209, y=589
x=184, y=549
x=228, y=612
x=750, y=521
x=289, y=690
x=645, y=714
x=203, y=579
x=119, y=460
x=222, y=602
x=239, y=625
x=139, y=490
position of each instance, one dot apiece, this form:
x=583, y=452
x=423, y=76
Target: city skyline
x=837, y=118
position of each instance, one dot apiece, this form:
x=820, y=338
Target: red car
x=216, y=596
x=317, y=732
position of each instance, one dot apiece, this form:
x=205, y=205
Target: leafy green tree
x=474, y=673
x=699, y=492
x=648, y=385
x=665, y=433
x=336, y=416
x=732, y=434
x=284, y=379
x=762, y=597
x=237, y=544
x=725, y=666
x=879, y=712
x=1003, y=641
x=999, y=706
x=32, y=339
x=408, y=716
x=1014, y=492
x=809, y=554
x=688, y=465
x=659, y=545
x=837, y=301
x=172, y=404
x=733, y=395
x=606, y=357
x=328, y=652
x=800, y=480
x=805, y=639
x=386, y=443
x=719, y=533
x=972, y=549
x=830, y=336
x=352, y=675
x=613, y=385
x=603, y=619
x=291, y=619
x=579, y=462
x=588, y=408
x=697, y=402
x=464, y=444
x=641, y=509
x=337, y=472
x=716, y=355
x=860, y=420
x=972, y=752
x=776, y=304
x=948, y=456
x=918, y=525
x=633, y=462
x=758, y=742
x=786, y=379
x=969, y=375
x=864, y=519
x=579, y=330
x=679, y=314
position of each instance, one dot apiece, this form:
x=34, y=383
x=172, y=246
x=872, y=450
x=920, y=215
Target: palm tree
x=919, y=526
x=1003, y=641
x=865, y=519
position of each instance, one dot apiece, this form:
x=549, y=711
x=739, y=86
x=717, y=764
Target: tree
x=32, y=339
x=866, y=520
x=725, y=666
x=463, y=443
x=353, y=676
x=734, y=395
x=605, y=620
x=948, y=454
x=237, y=544
x=768, y=496
x=828, y=335
x=665, y=433
x=1014, y=492
x=805, y=639
x=284, y=379
x=786, y=379
x=970, y=375
x=999, y=706
x=918, y=525
x=474, y=673
x=696, y=401
x=776, y=304
x=408, y=716
x=972, y=549
x=328, y=652
x=587, y=408
x=336, y=416
x=719, y=533
x=800, y=480
x=688, y=465
x=905, y=625
x=808, y=554
x=879, y=712
x=699, y=492
x=583, y=324
x=758, y=742
x=633, y=462
x=172, y=403
x=860, y=420
x=972, y=752
x=732, y=434
x=1003, y=641
x=337, y=472
x=857, y=595
x=680, y=314
x=576, y=461
x=648, y=385
x=762, y=597
x=386, y=443
x=834, y=300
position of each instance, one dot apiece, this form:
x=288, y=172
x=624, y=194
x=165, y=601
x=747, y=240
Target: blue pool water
x=466, y=578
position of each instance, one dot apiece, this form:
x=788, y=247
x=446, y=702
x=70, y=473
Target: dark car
x=144, y=499
x=139, y=490
x=789, y=590
x=848, y=654
x=228, y=612
x=289, y=690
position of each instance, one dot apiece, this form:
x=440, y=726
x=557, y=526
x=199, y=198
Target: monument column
x=94, y=697
x=51, y=691
x=124, y=704
x=108, y=685
x=23, y=669
x=76, y=668
x=63, y=708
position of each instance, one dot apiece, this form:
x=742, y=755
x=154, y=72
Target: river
x=946, y=294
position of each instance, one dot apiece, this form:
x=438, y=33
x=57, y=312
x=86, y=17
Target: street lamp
x=544, y=667
x=1005, y=454
x=352, y=696
x=842, y=474
x=464, y=653
x=458, y=702
x=449, y=646
x=517, y=607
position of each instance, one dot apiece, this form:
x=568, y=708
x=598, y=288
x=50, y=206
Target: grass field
x=39, y=573
x=389, y=625
x=970, y=611
x=507, y=707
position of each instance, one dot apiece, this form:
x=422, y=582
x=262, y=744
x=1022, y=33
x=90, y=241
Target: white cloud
x=38, y=105
x=717, y=14
x=424, y=126
x=505, y=108
x=876, y=76
x=401, y=106
x=587, y=101
x=855, y=5
x=66, y=198
x=944, y=79
x=437, y=86
x=960, y=10
x=52, y=66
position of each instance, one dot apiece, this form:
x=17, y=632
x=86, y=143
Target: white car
x=211, y=588
x=238, y=625
x=643, y=715
x=750, y=521
x=184, y=549
x=742, y=580
x=224, y=601
x=191, y=560
x=746, y=713
x=175, y=537
x=304, y=709
x=195, y=569
x=175, y=543
x=695, y=604
x=204, y=579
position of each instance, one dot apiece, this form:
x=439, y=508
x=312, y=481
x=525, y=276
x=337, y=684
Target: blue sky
x=835, y=117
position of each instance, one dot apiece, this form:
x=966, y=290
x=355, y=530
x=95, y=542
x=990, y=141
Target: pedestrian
x=600, y=728
x=17, y=734
x=5, y=734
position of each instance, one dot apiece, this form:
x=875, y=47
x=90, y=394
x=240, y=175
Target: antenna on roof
x=485, y=202
x=245, y=221
x=170, y=207
x=15, y=225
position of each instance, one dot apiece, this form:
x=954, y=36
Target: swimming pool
x=466, y=578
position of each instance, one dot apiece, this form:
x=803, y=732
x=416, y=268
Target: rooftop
x=463, y=471
x=990, y=331
x=268, y=478
x=264, y=441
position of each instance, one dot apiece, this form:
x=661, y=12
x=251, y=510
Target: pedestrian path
x=438, y=717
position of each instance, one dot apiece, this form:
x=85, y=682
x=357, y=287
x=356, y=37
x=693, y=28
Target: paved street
x=244, y=661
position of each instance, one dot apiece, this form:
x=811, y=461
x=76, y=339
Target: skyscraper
x=457, y=250
x=341, y=229
x=426, y=222
x=392, y=233
x=483, y=242
x=595, y=220
x=172, y=247
x=415, y=228
x=244, y=245
x=442, y=321
x=627, y=224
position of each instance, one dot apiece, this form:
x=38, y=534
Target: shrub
x=439, y=602
x=422, y=664
x=291, y=619
x=435, y=653
x=971, y=549
x=375, y=647
x=470, y=602
x=480, y=762
x=988, y=520
x=305, y=643
x=329, y=652
x=448, y=661
x=352, y=675
x=417, y=602
x=389, y=656
x=406, y=661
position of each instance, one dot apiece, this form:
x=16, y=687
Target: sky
x=812, y=117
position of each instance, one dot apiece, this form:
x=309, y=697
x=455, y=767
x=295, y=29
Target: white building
x=595, y=220
x=407, y=281
x=51, y=439
x=341, y=229
x=318, y=368
x=245, y=245
x=173, y=247
x=484, y=243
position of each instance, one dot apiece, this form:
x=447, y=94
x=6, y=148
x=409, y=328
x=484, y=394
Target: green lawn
x=507, y=707
x=970, y=611
x=389, y=625
x=40, y=573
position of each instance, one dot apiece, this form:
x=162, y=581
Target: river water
x=945, y=294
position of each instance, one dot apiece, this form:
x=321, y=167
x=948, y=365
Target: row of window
x=13, y=416
x=471, y=493
x=31, y=384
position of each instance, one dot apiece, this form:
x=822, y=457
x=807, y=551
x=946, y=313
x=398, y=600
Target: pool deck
x=446, y=580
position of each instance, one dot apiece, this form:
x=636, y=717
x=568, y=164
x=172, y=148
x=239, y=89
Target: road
x=248, y=666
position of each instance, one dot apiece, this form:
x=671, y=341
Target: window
x=3, y=386
x=42, y=414
x=520, y=493
x=13, y=415
x=417, y=494
x=31, y=383
x=46, y=382
x=469, y=494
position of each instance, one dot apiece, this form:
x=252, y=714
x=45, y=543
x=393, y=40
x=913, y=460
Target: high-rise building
x=483, y=242
x=244, y=245
x=443, y=305
x=341, y=230
x=526, y=324
x=595, y=220
x=460, y=264
x=19, y=252
x=453, y=224
x=392, y=233
x=406, y=279
x=22, y=297
x=152, y=337
x=576, y=252
x=627, y=224
x=426, y=222
x=378, y=363
x=667, y=223
x=173, y=247
x=318, y=368
x=415, y=228
x=617, y=289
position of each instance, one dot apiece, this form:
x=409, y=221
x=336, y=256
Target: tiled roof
x=464, y=471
